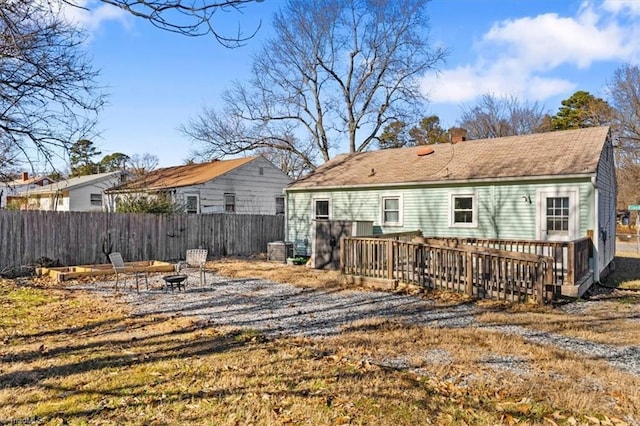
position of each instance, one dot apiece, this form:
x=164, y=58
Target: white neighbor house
x=18, y=189
x=251, y=185
x=80, y=194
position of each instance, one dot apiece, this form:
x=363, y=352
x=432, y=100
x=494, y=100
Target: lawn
x=70, y=357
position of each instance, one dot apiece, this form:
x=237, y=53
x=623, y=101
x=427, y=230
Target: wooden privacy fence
x=479, y=272
x=79, y=238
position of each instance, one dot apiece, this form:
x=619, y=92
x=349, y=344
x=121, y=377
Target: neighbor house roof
x=179, y=176
x=73, y=183
x=30, y=181
x=570, y=152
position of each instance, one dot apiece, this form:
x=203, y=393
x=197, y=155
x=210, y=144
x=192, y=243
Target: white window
x=464, y=211
x=279, y=205
x=321, y=208
x=193, y=204
x=391, y=210
x=557, y=216
x=96, y=200
x=229, y=202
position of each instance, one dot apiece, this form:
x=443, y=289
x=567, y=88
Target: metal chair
x=197, y=258
x=121, y=269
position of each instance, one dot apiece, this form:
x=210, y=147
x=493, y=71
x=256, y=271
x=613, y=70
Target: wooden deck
x=496, y=269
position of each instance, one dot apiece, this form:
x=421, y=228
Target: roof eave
x=443, y=183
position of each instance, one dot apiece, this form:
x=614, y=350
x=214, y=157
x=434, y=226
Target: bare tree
x=286, y=161
x=141, y=164
x=624, y=93
x=48, y=93
x=335, y=71
x=495, y=117
x=187, y=17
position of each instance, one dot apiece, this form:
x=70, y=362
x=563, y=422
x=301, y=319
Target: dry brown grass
x=71, y=357
x=277, y=272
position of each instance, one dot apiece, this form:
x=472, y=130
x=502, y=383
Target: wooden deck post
x=469, y=273
x=540, y=282
x=343, y=252
x=571, y=263
x=391, y=245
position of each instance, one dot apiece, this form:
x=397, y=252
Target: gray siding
x=255, y=193
x=607, y=200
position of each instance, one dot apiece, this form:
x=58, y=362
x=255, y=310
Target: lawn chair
x=197, y=258
x=121, y=270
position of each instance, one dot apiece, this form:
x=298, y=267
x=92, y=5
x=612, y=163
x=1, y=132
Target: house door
x=557, y=217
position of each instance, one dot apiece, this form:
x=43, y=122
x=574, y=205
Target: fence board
x=78, y=238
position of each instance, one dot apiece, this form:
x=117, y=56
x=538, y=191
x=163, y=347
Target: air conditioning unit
x=279, y=251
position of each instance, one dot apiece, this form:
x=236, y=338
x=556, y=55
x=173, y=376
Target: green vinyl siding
x=503, y=210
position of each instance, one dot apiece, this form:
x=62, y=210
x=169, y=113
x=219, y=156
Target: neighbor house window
x=229, y=202
x=464, y=210
x=321, y=208
x=279, y=205
x=193, y=204
x=96, y=200
x=391, y=210
x=558, y=215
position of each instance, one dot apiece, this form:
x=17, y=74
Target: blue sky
x=536, y=50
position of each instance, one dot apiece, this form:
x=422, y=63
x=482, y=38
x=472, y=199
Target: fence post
x=469, y=273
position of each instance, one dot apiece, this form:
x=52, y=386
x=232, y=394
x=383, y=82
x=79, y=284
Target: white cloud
x=622, y=6
x=92, y=14
x=522, y=57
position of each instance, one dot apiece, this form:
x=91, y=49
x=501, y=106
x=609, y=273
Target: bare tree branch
x=48, y=93
x=494, y=117
x=334, y=73
x=186, y=17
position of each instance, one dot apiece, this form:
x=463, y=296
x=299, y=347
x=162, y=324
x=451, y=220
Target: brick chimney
x=457, y=134
x=25, y=176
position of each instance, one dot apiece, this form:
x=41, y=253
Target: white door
x=557, y=217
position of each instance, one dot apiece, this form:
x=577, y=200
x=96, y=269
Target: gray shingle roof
x=569, y=152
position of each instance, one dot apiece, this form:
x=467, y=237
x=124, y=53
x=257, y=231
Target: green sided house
x=556, y=187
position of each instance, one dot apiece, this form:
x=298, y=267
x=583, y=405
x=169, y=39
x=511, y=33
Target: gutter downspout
x=286, y=214
x=596, y=231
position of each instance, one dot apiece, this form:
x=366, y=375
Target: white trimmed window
x=96, y=200
x=229, y=202
x=557, y=216
x=391, y=210
x=321, y=208
x=279, y=205
x=463, y=211
x=193, y=204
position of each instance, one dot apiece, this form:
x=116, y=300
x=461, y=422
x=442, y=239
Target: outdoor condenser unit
x=279, y=251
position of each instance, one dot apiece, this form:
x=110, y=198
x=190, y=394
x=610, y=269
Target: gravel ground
x=285, y=310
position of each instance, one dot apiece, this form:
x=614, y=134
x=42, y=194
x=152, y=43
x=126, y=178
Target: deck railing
x=571, y=258
x=481, y=272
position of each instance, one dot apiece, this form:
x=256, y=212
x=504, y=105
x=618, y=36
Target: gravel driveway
x=281, y=309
